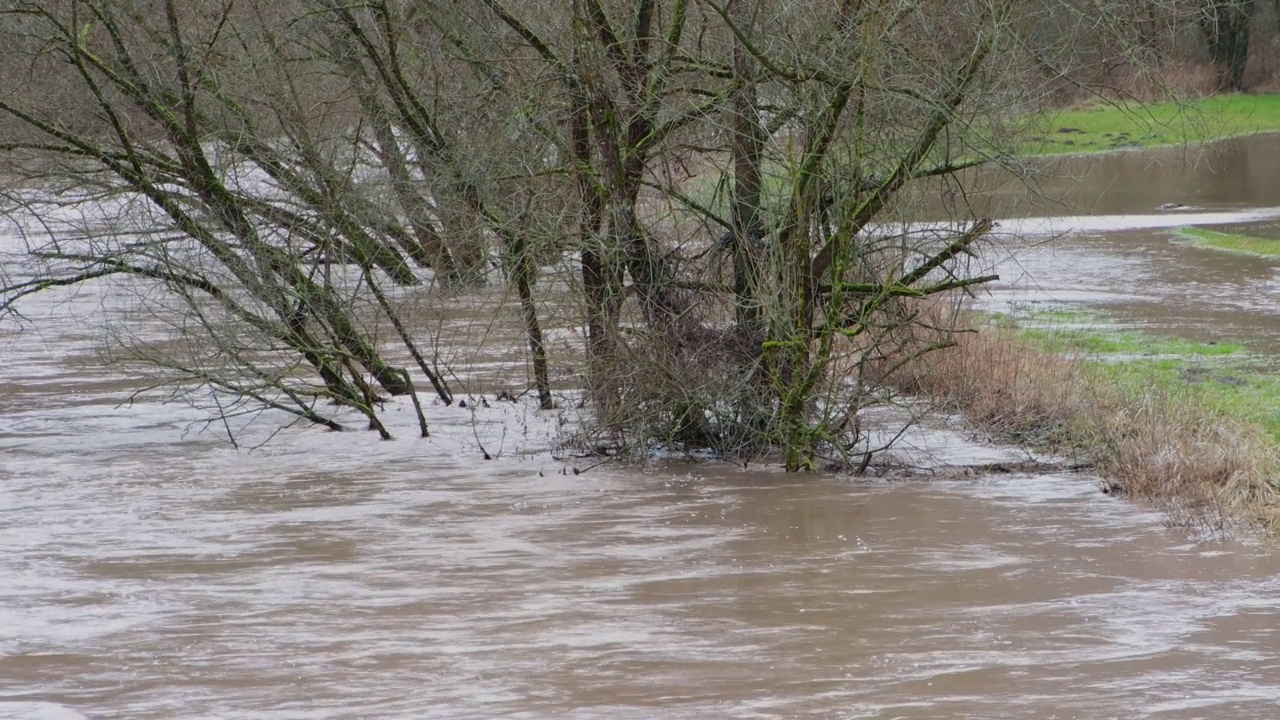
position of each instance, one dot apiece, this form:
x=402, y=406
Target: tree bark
x=1225, y=24
x=747, y=143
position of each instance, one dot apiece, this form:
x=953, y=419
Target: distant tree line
x=1239, y=40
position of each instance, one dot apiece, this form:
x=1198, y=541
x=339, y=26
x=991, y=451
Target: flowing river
x=150, y=571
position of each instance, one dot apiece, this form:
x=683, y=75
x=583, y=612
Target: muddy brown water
x=149, y=571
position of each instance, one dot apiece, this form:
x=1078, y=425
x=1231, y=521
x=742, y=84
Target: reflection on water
x=147, y=571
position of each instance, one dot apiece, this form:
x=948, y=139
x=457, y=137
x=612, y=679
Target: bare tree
x=733, y=185
x=227, y=198
x=1225, y=24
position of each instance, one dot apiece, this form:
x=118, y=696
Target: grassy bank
x=1190, y=426
x=1229, y=242
x=1117, y=127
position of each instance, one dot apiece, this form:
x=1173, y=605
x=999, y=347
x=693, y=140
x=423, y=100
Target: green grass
x=1232, y=391
x=1112, y=127
x=1126, y=344
x=1230, y=242
x=1042, y=315
x=1078, y=331
x=1221, y=377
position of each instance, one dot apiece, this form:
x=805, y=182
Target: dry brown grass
x=1190, y=78
x=1126, y=83
x=1204, y=469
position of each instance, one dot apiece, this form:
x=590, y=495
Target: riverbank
x=1192, y=427
x=1108, y=127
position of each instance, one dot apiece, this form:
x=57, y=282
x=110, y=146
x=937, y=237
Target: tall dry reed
x=1205, y=469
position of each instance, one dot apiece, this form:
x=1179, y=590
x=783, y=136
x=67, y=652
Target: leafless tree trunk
x=293, y=166
x=1225, y=24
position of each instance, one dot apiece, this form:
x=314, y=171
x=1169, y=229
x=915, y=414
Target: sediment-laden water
x=150, y=571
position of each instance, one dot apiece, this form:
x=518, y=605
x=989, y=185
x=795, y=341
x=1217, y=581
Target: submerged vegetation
x=1229, y=242
x=1192, y=426
x=1221, y=377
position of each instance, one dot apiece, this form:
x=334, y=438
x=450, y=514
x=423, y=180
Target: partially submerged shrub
x=713, y=387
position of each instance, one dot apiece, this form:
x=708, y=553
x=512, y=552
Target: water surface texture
x=1108, y=243
x=149, y=572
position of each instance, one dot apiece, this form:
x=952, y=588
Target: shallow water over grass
x=1171, y=308
x=1232, y=242
x=1112, y=248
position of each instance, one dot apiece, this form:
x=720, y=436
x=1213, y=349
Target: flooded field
x=1115, y=251
x=150, y=571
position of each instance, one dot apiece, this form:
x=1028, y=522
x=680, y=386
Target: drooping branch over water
x=710, y=195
